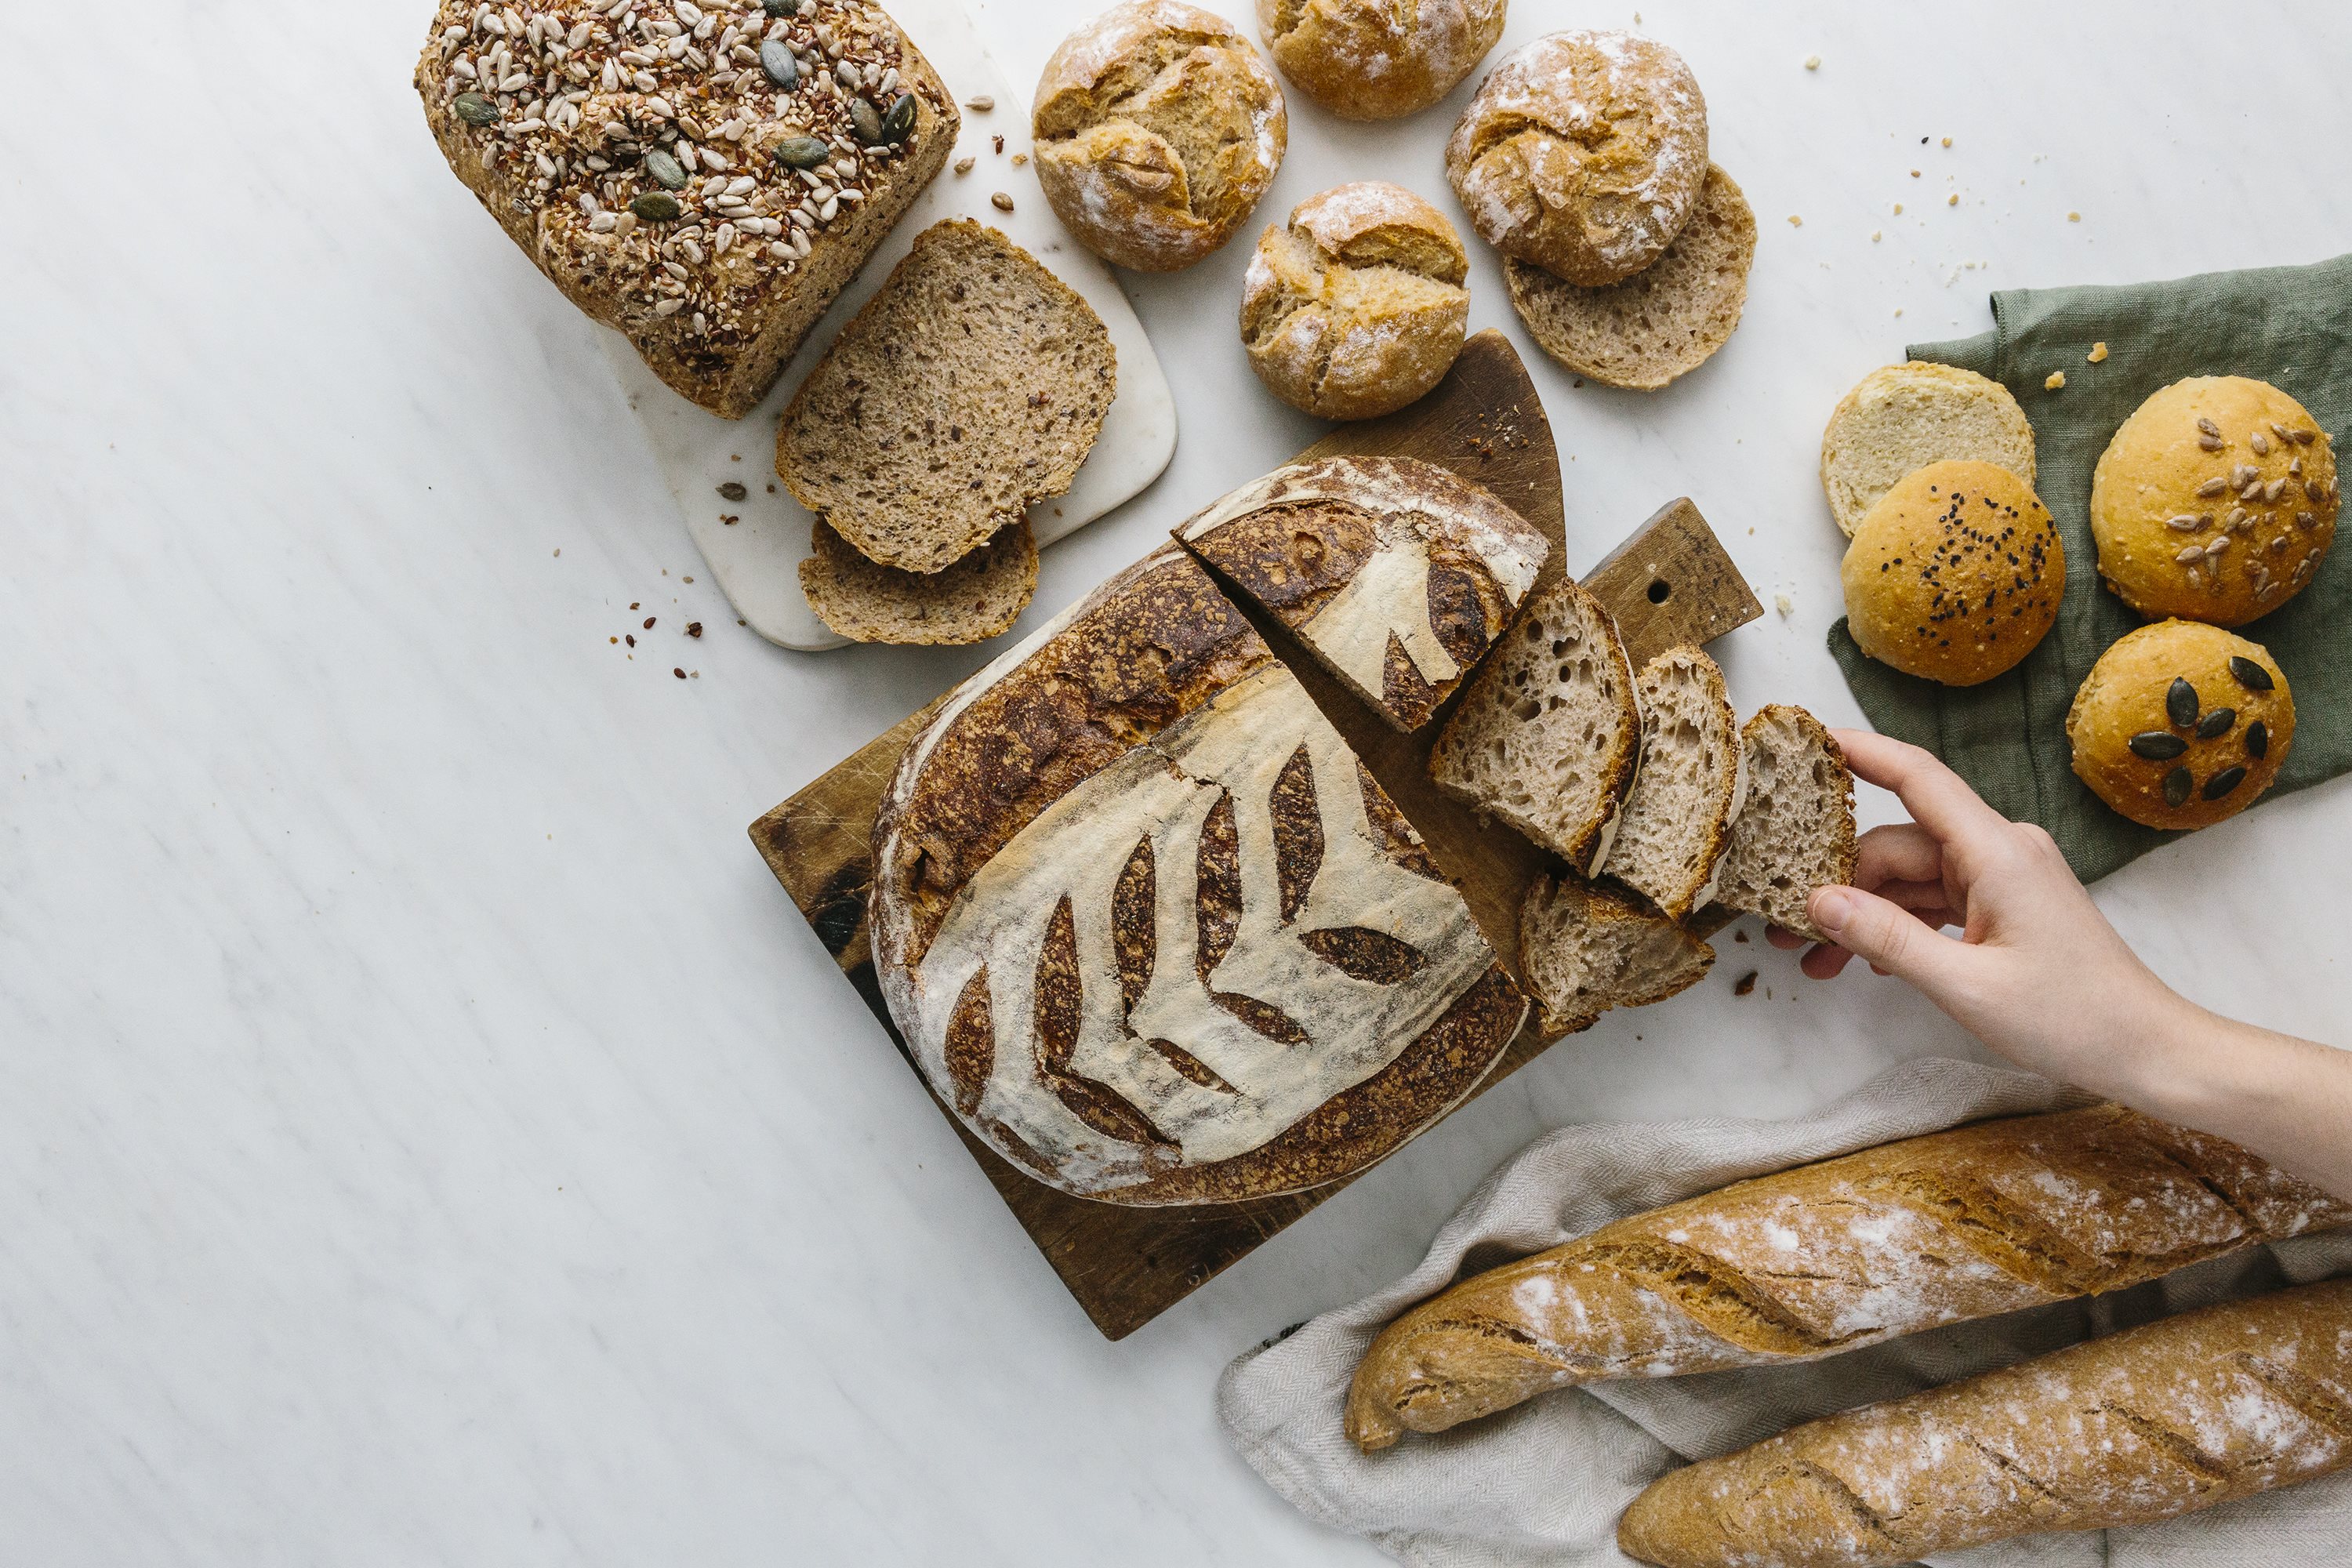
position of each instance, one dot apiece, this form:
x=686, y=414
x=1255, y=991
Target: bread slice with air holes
x=1548, y=737
x=971, y=385
x=1796, y=832
x=1584, y=950
x=1693, y=781
x=968, y=601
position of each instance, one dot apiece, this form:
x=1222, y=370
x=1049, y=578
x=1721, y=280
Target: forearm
x=2288, y=1100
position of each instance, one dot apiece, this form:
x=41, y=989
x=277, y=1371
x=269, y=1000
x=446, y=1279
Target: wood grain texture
x=1125, y=1265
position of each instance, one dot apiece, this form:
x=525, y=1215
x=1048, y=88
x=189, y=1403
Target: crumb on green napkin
x=2291, y=326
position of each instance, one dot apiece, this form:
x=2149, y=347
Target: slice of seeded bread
x=1693, y=780
x=1584, y=950
x=969, y=601
x=1548, y=737
x=1666, y=320
x=1901, y=418
x=1796, y=832
x=973, y=383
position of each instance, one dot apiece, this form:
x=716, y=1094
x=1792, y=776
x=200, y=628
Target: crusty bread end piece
x=1796, y=832
x=971, y=385
x=1547, y=738
x=1901, y=418
x=1693, y=782
x=1584, y=950
x=969, y=601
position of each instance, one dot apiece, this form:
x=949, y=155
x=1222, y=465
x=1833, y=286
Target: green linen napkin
x=2291, y=326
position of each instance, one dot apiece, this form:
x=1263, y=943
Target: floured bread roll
x=1151, y=930
x=1379, y=60
x=1397, y=575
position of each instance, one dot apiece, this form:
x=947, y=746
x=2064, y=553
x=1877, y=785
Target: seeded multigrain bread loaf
x=1357, y=306
x=2181, y=725
x=1956, y=575
x=1901, y=418
x=968, y=601
x=2215, y=502
x=1583, y=154
x=648, y=164
x=1151, y=931
x=1691, y=783
x=1158, y=129
x=1379, y=60
x=971, y=385
x=1584, y=950
x=1547, y=738
x=1833, y=1257
x=2141, y=1426
x=1795, y=829
x=1397, y=575
x=1661, y=322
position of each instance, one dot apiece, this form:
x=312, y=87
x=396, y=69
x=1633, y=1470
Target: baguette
x=1833, y=1257
x=2135, y=1429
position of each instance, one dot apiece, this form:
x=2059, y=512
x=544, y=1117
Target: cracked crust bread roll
x=1378, y=60
x=2181, y=725
x=2215, y=502
x=1359, y=305
x=2135, y=1429
x=1583, y=154
x=1956, y=575
x=1832, y=1257
x=1158, y=129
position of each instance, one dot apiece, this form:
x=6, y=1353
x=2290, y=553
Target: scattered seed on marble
x=733, y=489
x=2250, y=675
x=964, y=166
x=2180, y=702
x=2225, y=781
x=980, y=105
x=2158, y=745
x=1001, y=202
x=2177, y=785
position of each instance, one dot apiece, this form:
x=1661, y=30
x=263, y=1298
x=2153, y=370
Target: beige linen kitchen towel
x=1544, y=1483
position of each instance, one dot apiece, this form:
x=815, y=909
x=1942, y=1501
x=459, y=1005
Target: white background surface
x=427, y=1134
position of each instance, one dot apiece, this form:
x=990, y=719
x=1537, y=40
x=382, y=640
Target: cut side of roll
x=1584, y=950
x=1901, y=418
x=1547, y=738
x=1796, y=831
x=1693, y=781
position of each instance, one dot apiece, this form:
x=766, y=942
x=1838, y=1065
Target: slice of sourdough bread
x=1547, y=738
x=969, y=601
x=1584, y=950
x=1901, y=418
x=1796, y=832
x=1693, y=780
x=971, y=385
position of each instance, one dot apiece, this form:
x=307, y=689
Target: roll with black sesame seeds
x=1956, y=575
x=2181, y=724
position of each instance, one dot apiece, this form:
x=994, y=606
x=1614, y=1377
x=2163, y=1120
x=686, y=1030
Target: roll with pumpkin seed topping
x=2181, y=724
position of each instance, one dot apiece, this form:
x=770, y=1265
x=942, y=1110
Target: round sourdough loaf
x=1379, y=60
x=1902, y=417
x=2181, y=724
x=1357, y=306
x=2215, y=502
x=1583, y=154
x=1152, y=931
x=1956, y=575
x=1664, y=320
x=1158, y=129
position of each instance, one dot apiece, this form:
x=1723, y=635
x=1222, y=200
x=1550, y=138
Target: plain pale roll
x=1901, y=418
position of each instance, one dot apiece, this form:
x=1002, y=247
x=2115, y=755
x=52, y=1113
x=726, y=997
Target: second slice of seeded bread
x=1584, y=950
x=1548, y=737
x=971, y=385
x=969, y=601
x=1796, y=832
x=1693, y=780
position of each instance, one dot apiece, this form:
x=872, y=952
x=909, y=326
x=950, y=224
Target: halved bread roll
x=1693, y=781
x=1547, y=738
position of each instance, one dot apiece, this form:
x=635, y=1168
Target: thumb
x=1887, y=937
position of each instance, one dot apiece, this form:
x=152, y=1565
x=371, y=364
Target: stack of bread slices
x=970, y=386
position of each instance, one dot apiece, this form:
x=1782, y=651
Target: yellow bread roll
x=2181, y=724
x=1956, y=575
x=2215, y=502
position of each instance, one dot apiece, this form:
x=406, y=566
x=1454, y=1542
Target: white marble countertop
x=426, y=1133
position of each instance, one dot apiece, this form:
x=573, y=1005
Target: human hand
x=2037, y=973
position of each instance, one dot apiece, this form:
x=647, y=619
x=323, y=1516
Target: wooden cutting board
x=1669, y=583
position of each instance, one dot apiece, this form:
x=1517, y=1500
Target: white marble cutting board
x=756, y=559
